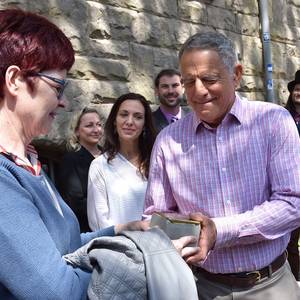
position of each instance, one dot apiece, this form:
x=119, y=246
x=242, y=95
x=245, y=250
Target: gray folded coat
x=135, y=265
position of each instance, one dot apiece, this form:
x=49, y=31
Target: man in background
x=169, y=90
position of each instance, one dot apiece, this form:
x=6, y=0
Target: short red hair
x=32, y=43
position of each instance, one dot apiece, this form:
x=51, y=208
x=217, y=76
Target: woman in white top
x=118, y=178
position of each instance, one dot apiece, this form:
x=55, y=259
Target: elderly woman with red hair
x=36, y=226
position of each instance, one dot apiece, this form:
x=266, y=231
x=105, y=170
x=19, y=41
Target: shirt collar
x=30, y=163
x=169, y=115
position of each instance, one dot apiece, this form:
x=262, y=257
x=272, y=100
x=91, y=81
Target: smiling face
x=130, y=121
x=169, y=91
x=38, y=108
x=90, y=129
x=209, y=87
x=296, y=95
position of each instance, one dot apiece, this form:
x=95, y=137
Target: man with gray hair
x=225, y=165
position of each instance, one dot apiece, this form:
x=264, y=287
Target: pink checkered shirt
x=245, y=174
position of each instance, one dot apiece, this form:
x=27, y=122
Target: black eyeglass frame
x=62, y=82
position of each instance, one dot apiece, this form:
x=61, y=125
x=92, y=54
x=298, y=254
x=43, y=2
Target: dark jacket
x=160, y=121
x=72, y=183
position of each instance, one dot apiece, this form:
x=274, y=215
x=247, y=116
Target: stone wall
x=120, y=45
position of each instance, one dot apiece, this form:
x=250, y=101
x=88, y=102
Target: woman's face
x=37, y=109
x=90, y=129
x=296, y=94
x=130, y=121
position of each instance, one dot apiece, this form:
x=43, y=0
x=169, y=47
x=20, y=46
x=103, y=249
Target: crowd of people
x=230, y=164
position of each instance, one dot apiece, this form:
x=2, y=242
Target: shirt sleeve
x=280, y=213
x=159, y=196
x=31, y=266
x=97, y=201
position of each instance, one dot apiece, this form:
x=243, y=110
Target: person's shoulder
x=102, y=158
x=262, y=107
x=6, y=165
x=10, y=171
x=263, y=114
x=71, y=155
x=156, y=111
x=98, y=165
x=177, y=128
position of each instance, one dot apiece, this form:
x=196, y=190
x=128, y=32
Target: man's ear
x=156, y=91
x=13, y=79
x=238, y=72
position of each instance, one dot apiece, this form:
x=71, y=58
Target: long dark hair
x=290, y=106
x=146, y=139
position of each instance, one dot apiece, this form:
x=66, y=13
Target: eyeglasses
x=62, y=83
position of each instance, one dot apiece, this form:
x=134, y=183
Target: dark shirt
x=296, y=117
x=72, y=183
x=160, y=121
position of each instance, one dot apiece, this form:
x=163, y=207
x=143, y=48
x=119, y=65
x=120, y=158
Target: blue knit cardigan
x=34, y=236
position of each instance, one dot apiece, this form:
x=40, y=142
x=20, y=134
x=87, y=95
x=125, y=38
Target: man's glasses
x=62, y=83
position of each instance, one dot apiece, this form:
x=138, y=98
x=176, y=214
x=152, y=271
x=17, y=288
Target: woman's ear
x=12, y=79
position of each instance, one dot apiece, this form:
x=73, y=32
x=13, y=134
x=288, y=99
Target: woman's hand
x=132, y=226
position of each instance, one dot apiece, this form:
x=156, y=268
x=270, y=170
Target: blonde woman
x=86, y=132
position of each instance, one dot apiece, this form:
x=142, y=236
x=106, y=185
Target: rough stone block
x=247, y=24
x=100, y=68
x=245, y=6
x=142, y=84
x=292, y=16
x=193, y=11
x=221, y=18
x=157, y=7
x=165, y=58
x=107, y=48
x=251, y=84
x=141, y=59
x=157, y=31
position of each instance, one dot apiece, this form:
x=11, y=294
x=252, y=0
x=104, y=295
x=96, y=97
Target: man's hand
x=132, y=226
x=182, y=247
x=207, y=239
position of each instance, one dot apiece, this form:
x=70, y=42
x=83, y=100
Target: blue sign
x=270, y=67
x=270, y=84
x=266, y=36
